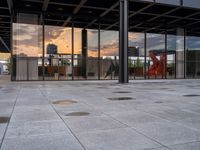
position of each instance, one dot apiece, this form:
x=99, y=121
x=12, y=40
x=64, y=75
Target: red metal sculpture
x=158, y=68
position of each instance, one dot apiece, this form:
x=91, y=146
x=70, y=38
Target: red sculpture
x=158, y=68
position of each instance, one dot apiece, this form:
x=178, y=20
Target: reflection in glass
x=192, y=57
x=92, y=60
x=155, y=56
x=109, y=60
x=136, y=56
x=171, y=56
x=174, y=2
x=58, y=51
x=27, y=48
x=191, y=3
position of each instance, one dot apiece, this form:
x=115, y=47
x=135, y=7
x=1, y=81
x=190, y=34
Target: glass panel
x=171, y=56
x=156, y=56
x=192, y=57
x=136, y=56
x=175, y=2
x=58, y=51
x=147, y=0
x=109, y=65
x=92, y=61
x=27, y=48
x=79, y=61
x=180, y=53
x=191, y=3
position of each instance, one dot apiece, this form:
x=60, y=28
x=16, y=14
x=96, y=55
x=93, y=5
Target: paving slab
x=168, y=133
x=85, y=124
x=116, y=139
x=186, y=146
x=33, y=128
x=42, y=142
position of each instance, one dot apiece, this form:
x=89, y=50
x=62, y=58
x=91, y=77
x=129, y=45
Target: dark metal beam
x=70, y=5
x=4, y=44
x=123, y=42
x=6, y=16
x=104, y=13
x=157, y=16
x=45, y=5
x=75, y=11
x=186, y=17
x=133, y=14
x=10, y=5
x=4, y=8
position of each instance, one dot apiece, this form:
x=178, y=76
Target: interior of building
x=80, y=39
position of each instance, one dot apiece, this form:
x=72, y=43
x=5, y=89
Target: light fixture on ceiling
x=27, y=5
x=60, y=9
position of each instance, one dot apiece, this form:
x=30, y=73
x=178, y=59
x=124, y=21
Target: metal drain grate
x=4, y=119
x=159, y=102
x=191, y=95
x=64, y=102
x=121, y=98
x=122, y=92
x=78, y=114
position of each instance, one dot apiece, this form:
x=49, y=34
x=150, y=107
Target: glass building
x=102, y=39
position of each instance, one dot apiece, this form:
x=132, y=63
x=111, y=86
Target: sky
x=28, y=40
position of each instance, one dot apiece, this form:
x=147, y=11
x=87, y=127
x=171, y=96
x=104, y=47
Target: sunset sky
x=28, y=40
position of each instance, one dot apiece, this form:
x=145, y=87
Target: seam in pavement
x=133, y=129
x=184, y=143
x=138, y=132
x=64, y=122
x=10, y=118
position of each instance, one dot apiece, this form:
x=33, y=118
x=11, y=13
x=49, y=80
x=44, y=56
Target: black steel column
x=72, y=51
x=84, y=53
x=145, y=56
x=99, y=36
x=166, y=50
x=184, y=61
x=123, y=42
x=43, y=46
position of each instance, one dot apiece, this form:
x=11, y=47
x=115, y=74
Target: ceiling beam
x=186, y=17
x=75, y=11
x=104, y=13
x=10, y=5
x=45, y=5
x=179, y=19
x=4, y=8
x=4, y=44
x=133, y=14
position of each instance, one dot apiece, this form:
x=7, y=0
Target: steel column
x=123, y=42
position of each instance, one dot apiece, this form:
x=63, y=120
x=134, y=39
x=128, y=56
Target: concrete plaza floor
x=100, y=115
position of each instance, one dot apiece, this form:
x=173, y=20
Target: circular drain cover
x=121, y=98
x=78, y=114
x=191, y=95
x=64, y=102
x=171, y=90
x=4, y=119
x=164, y=88
x=159, y=102
x=122, y=92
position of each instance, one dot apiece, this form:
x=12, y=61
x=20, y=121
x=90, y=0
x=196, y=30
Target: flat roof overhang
x=144, y=16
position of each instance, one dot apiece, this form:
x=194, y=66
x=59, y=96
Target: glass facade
x=191, y=3
x=27, y=48
x=109, y=54
x=46, y=52
x=174, y=2
x=136, y=56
